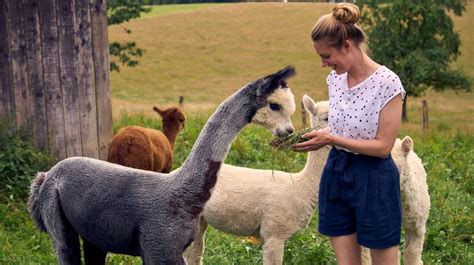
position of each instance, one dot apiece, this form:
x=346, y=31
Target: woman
x=359, y=197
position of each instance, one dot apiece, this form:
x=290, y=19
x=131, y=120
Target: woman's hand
x=316, y=140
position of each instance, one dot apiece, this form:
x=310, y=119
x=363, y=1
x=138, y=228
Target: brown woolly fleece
x=146, y=148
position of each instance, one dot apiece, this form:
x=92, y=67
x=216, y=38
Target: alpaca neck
x=170, y=131
x=215, y=139
x=311, y=174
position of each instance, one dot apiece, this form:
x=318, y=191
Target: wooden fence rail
x=54, y=74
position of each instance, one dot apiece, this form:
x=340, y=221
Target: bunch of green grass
x=284, y=143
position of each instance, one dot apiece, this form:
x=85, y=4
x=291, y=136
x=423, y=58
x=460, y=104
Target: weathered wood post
x=425, y=116
x=181, y=101
x=54, y=74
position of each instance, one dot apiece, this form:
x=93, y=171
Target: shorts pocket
x=381, y=191
x=388, y=185
x=323, y=193
x=377, y=224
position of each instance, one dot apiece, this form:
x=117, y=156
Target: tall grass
x=449, y=238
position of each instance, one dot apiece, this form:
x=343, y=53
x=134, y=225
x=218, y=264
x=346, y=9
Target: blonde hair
x=340, y=25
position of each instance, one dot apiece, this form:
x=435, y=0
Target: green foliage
x=451, y=159
x=21, y=241
x=19, y=162
x=416, y=39
x=124, y=52
x=449, y=236
x=450, y=168
x=120, y=11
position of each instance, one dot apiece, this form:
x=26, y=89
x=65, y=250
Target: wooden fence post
x=181, y=101
x=425, y=116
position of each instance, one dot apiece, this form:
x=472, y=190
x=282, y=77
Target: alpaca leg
x=273, y=251
x=195, y=251
x=65, y=238
x=162, y=248
x=159, y=257
x=93, y=255
x=365, y=254
x=67, y=247
x=413, y=248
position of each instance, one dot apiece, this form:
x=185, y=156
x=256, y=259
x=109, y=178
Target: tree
x=417, y=41
x=120, y=11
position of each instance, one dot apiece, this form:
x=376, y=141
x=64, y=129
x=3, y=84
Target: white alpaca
x=275, y=205
x=415, y=201
x=272, y=205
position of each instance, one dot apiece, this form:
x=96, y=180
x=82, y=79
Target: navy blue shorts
x=361, y=194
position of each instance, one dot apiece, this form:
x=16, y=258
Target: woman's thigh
x=347, y=249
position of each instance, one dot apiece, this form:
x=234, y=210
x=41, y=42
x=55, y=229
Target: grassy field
x=450, y=228
x=218, y=49
x=206, y=52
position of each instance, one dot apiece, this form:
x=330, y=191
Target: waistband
x=337, y=162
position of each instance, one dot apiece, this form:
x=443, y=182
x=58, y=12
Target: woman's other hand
x=316, y=140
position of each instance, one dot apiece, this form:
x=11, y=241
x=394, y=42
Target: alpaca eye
x=275, y=106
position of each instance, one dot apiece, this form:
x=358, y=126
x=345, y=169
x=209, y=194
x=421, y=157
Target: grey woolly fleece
x=141, y=213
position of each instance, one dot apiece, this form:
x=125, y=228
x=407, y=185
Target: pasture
x=205, y=52
x=215, y=50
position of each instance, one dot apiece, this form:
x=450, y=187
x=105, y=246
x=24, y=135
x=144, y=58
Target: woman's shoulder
x=390, y=85
x=387, y=73
x=333, y=76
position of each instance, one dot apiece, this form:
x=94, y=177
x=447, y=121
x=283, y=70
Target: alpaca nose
x=284, y=131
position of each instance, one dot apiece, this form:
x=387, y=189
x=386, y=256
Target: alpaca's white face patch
x=318, y=112
x=319, y=119
x=276, y=114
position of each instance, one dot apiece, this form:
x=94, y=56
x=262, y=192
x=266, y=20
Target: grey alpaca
x=135, y=212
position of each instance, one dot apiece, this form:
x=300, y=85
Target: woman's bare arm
x=388, y=126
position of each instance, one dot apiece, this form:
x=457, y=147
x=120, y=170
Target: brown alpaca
x=145, y=148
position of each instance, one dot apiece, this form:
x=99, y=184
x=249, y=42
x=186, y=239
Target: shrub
x=19, y=162
x=448, y=162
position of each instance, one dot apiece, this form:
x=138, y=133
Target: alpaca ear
x=176, y=114
x=158, y=110
x=271, y=82
x=309, y=105
x=407, y=145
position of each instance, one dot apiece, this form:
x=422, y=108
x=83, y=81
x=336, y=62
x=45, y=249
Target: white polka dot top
x=354, y=112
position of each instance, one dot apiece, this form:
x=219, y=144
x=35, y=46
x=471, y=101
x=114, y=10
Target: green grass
x=161, y=10
x=449, y=237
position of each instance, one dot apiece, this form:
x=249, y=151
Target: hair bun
x=346, y=13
